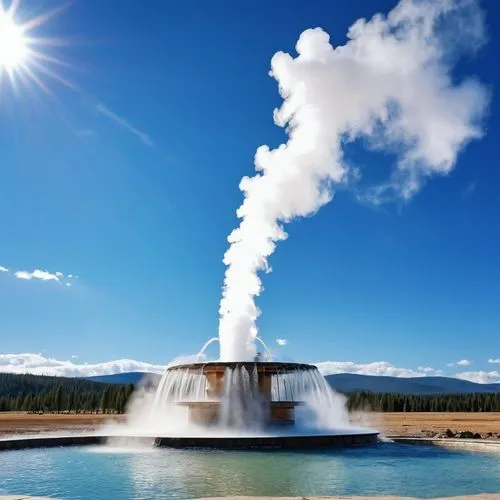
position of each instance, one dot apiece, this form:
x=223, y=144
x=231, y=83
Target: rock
x=466, y=435
x=476, y=436
x=450, y=433
x=428, y=434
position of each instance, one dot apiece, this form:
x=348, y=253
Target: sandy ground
x=17, y=423
x=412, y=424
x=390, y=424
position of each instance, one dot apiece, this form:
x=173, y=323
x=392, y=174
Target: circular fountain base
x=226, y=402
x=236, y=442
x=270, y=442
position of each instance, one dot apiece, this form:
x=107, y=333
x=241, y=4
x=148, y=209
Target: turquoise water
x=103, y=473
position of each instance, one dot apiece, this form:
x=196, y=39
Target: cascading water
x=235, y=395
x=241, y=405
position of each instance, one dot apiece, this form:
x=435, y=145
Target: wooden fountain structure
x=277, y=410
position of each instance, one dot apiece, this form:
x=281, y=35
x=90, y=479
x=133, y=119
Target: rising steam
x=391, y=84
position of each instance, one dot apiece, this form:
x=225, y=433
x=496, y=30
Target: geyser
x=391, y=85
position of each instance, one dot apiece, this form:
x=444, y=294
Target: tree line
x=395, y=402
x=37, y=393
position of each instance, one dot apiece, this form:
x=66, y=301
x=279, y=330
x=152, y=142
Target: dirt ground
x=18, y=422
x=412, y=424
x=390, y=424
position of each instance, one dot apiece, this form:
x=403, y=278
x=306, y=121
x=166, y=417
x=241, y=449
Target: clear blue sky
x=143, y=219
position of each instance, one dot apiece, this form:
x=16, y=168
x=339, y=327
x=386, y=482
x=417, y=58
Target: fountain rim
x=273, y=367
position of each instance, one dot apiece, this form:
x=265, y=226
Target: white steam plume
x=391, y=84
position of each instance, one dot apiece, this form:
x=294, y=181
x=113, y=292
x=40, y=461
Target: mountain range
x=350, y=382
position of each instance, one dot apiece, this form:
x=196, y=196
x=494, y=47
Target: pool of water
x=111, y=473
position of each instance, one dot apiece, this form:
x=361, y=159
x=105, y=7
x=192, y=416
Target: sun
x=24, y=57
x=13, y=44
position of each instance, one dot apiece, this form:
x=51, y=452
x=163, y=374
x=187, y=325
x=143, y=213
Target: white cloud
x=23, y=275
x=494, y=360
x=42, y=275
x=144, y=138
x=374, y=368
x=480, y=377
x=40, y=365
x=3, y=269
x=282, y=342
x=426, y=369
x=462, y=362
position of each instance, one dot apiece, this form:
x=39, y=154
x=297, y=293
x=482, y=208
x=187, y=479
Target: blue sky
x=128, y=182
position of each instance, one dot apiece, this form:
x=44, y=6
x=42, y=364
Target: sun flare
x=24, y=57
x=13, y=44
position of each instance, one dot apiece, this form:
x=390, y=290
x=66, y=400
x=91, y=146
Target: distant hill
x=122, y=378
x=350, y=382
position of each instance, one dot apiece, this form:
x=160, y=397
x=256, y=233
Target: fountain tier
x=238, y=394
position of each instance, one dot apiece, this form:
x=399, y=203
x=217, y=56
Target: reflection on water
x=235, y=473
x=82, y=473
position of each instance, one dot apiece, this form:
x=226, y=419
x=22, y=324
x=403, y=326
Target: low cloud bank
x=41, y=365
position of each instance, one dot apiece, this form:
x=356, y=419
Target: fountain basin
x=133, y=472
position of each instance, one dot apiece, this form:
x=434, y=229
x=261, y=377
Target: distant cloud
x=462, y=362
x=494, y=360
x=143, y=137
x=469, y=191
x=282, y=342
x=74, y=356
x=480, y=377
x=38, y=274
x=42, y=275
x=40, y=365
x=376, y=368
x=426, y=369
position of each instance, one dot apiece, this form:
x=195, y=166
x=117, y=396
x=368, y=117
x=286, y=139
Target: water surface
x=110, y=473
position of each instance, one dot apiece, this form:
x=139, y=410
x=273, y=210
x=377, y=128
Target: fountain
x=252, y=404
